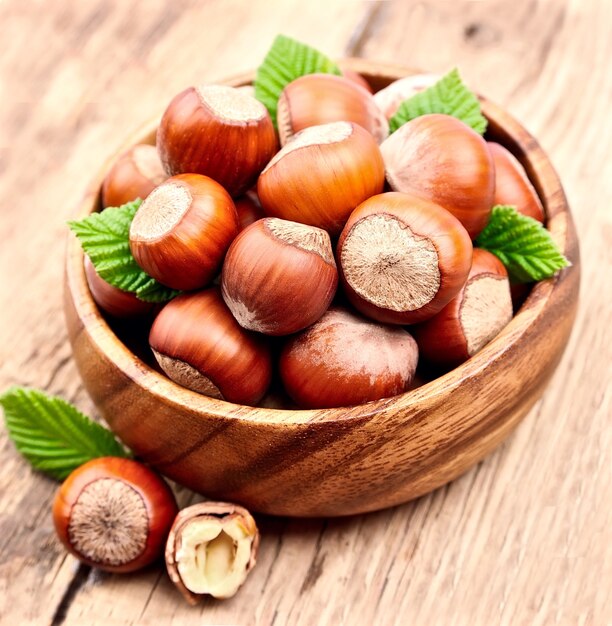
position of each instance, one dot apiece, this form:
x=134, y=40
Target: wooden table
x=523, y=538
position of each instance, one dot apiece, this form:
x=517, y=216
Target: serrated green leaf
x=522, y=244
x=287, y=60
x=52, y=434
x=449, y=96
x=105, y=239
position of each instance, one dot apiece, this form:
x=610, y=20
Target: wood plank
x=522, y=538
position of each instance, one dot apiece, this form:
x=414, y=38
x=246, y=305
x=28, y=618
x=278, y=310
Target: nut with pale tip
x=278, y=276
x=473, y=318
x=219, y=131
x=402, y=259
x=114, y=514
x=182, y=231
x=199, y=345
x=321, y=175
x=317, y=99
x=134, y=175
x=441, y=159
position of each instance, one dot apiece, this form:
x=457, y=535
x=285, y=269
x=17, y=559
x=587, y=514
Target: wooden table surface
x=524, y=537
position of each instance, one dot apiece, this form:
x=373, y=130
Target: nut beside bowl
x=345, y=460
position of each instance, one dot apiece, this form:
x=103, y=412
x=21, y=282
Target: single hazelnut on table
x=473, y=318
x=512, y=186
x=211, y=548
x=199, y=345
x=441, y=159
x=114, y=514
x=182, y=231
x=112, y=300
x=402, y=259
x=249, y=209
x=278, y=276
x=345, y=360
x=389, y=99
x=321, y=175
x=218, y=131
x=135, y=174
x=317, y=99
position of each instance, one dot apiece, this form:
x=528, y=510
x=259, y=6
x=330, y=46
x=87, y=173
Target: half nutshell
x=211, y=548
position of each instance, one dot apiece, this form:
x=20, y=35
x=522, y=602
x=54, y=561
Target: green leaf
x=449, y=96
x=105, y=239
x=52, y=434
x=287, y=60
x=522, y=244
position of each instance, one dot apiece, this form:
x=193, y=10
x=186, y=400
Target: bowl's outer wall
x=338, y=461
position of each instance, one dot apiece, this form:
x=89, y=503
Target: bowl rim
x=164, y=389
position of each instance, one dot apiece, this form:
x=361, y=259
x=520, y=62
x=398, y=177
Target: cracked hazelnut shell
x=211, y=549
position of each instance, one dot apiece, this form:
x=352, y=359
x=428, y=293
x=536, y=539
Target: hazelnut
x=441, y=159
x=402, y=258
x=182, y=231
x=317, y=99
x=473, y=318
x=112, y=300
x=135, y=174
x=321, y=175
x=249, y=209
x=357, y=78
x=512, y=186
x=199, y=345
x=114, y=514
x=389, y=99
x=279, y=276
x=344, y=360
x=218, y=131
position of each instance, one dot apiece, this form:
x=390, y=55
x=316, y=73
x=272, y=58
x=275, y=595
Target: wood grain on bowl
x=348, y=460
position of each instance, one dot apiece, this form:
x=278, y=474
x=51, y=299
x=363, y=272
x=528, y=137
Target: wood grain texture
x=523, y=538
x=335, y=461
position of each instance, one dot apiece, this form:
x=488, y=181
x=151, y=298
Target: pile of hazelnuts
x=337, y=201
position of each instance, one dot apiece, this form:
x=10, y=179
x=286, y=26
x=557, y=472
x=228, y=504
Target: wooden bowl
x=345, y=460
